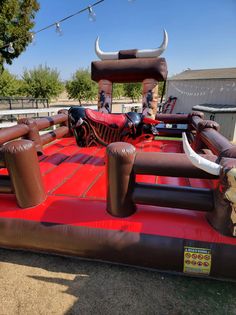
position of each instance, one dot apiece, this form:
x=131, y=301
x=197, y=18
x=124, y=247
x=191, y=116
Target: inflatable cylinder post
x=66, y=122
x=120, y=179
x=223, y=217
x=64, y=112
x=23, y=167
x=150, y=98
x=33, y=133
x=204, y=126
x=104, y=96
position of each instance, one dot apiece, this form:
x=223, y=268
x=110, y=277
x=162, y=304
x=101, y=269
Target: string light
x=58, y=29
x=10, y=49
x=32, y=35
x=92, y=17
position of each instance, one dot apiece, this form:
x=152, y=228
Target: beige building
x=196, y=87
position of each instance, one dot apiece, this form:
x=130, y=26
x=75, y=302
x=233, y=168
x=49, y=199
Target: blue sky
x=202, y=33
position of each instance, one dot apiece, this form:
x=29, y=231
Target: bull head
x=199, y=161
x=223, y=218
x=230, y=195
x=146, y=53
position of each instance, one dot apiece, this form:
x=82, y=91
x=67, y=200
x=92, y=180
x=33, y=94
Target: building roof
x=223, y=73
x=215, y=108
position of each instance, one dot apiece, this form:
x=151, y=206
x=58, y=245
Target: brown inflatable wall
x=123, y=192
x=129, y=70
x=10, y=133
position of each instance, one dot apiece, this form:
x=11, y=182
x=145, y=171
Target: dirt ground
x=43, y=284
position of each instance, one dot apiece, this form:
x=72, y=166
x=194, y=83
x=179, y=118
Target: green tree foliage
x=16, y=21
x=9, y=84
x=133, y=90
x=81, y=86
x=42, y=82
x=118, y=90
x=160, y=88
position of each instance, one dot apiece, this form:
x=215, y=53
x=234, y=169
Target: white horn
x=152, y=53
x=199, y=161
x=104, y=55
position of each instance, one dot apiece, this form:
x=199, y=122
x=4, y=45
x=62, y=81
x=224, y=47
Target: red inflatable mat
x=76, y=184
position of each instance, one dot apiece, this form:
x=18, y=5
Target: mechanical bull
x=95, y=128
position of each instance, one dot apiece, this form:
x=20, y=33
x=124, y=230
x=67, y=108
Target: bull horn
x=105, y=55
x=199, y=161
x=154, y=53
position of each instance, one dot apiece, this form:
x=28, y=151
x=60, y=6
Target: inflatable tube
x=73, y=220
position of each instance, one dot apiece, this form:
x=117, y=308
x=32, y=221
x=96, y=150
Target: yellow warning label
x=197, y=260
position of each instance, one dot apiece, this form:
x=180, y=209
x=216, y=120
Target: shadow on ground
x=100, y=288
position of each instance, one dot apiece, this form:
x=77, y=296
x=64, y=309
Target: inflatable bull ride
x=106, y=187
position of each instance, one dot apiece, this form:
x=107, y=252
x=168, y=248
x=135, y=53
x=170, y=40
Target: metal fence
x=23, y=102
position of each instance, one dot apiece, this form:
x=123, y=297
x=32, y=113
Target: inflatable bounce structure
x=107, y=187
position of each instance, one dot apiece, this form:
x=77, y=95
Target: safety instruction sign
x=197, y=260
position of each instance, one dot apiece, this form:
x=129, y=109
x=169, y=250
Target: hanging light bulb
x=10, y=48
x=32, y=35
x=92, y=15
x=58, y=29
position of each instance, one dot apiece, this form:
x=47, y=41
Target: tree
x=81, y=87
x=133, y=90
x=42, y=82
x=16, y=21
x=9, y=84
x=161, y=86
x=118, y=90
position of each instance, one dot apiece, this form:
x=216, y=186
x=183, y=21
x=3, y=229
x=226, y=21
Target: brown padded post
x=173, y=118
x=64, y=112
x=174, y=196
x=120, y=179
x=33, y=133
x=215, y=141
x=195, y=120
x=23, y=167
x=66, y=122
x=10, y=133
x=55, y=134
x=169, y=164
x=47, y=122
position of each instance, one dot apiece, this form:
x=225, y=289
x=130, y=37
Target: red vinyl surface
x=75, y=181
x=112, y=119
